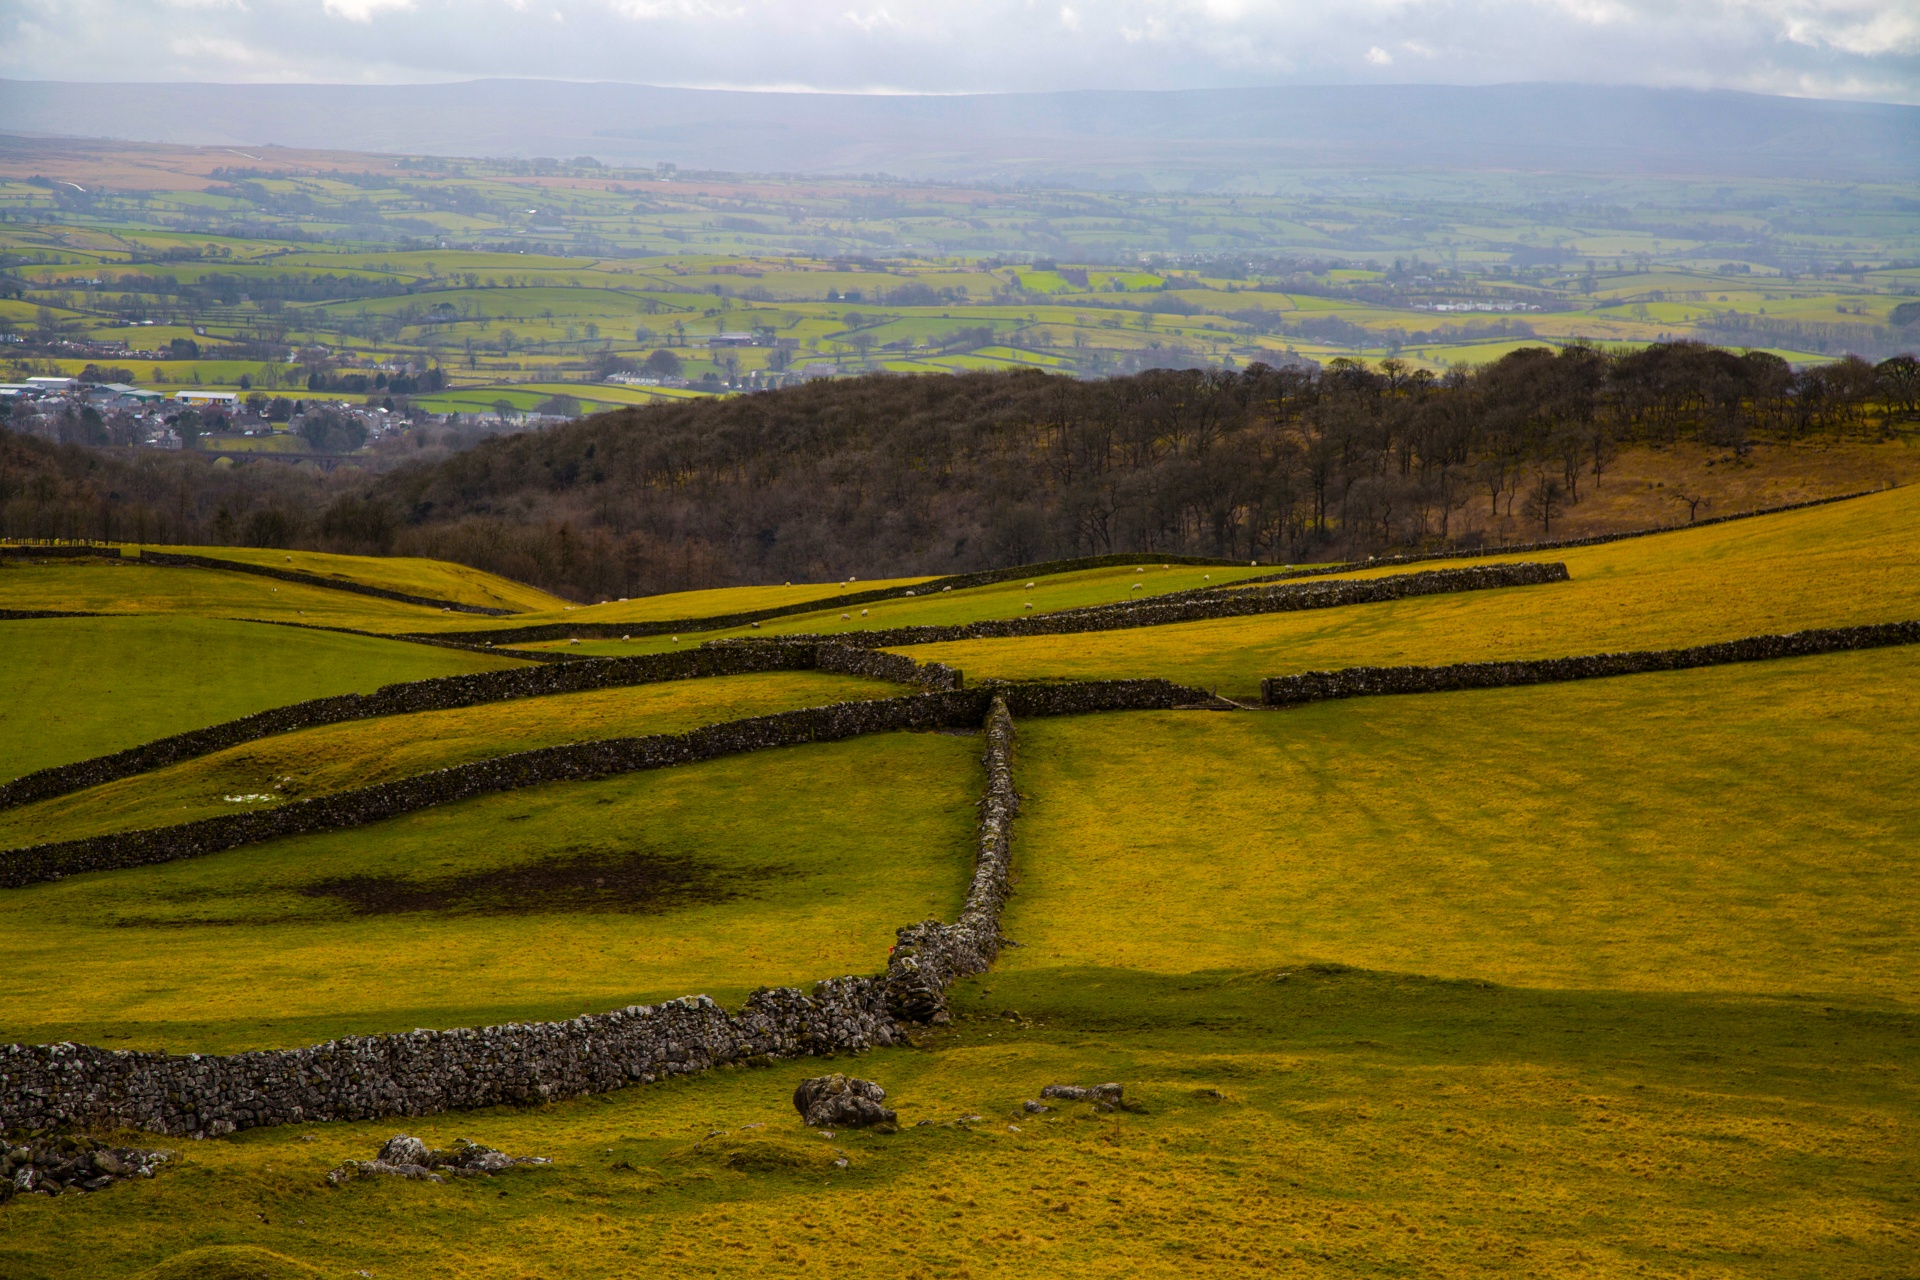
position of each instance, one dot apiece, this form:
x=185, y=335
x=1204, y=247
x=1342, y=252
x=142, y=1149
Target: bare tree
x=1545, y=501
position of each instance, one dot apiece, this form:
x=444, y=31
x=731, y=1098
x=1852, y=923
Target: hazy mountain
x=1095, y=137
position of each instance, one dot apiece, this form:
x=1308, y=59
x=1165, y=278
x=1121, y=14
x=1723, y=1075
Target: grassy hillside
x=1043, y=592
x=1612, y=978
x=1838, y=565
x=436, y=579
x=767, y=869
x=130, y=587
x=364, y=753
x=1679, y=832
x=77, y=687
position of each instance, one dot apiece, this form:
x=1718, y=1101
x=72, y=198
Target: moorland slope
x=1611, y=977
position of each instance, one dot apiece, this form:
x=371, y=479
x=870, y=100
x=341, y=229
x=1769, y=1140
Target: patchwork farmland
x=1597, y=976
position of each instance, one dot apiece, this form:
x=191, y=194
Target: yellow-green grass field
x=413, y=575
x=130, y=587
x=692, y=605
x=71, y=688
x=364, y=753
x=999, y=600
x=773, y=868
x=1741, y=830
x=1840, y=565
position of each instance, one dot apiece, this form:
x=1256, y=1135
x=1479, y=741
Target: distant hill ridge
x=1090, y=137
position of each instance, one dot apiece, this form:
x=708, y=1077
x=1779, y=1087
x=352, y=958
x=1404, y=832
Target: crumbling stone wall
x=446, y=693
x=576, y=762
x=727, y=621
x=1364, y=682
x=30, y=552
x=424, y=1072
x=930, y=956
x=1196, y=606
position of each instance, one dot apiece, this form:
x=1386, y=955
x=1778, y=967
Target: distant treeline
x=886, y=475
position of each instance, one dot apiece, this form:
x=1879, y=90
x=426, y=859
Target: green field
x=1609, y=978
x=383, y=271
x=130, y=587
x=365, y=753
x=434, y=579
x=1019, y=598
x=71, y=688
x=777, y=868
x=1840, y=565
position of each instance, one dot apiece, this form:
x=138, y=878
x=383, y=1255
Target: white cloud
x=362, y=10
x=1860, y=48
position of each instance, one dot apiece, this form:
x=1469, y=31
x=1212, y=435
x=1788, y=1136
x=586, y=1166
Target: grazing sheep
x=863, y=613
x=1029, y=586
x=1029, y=604
x=843, y=617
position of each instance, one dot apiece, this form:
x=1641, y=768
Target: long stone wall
x=28, y=552
x=425, y=1072
x=582, y=761
x=1188, y=607
x=930, y=956
x=727, y=621
x=21, y=615
x=446, y=693
x=1532, y=548
x=183, y=560
x=1366, y=682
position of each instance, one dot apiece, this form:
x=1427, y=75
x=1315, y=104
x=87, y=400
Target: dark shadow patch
x=637, y=880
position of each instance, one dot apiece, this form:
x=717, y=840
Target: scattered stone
x=49, y=1166
x=408, y=1157
x=1035, y=1108
x=1104, y=1097
x=842, y=1101
x=841, y=1163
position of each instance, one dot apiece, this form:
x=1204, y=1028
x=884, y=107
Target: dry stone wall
x=575, y=762
x=930, y=956
x=1191, y=607
x=1532, y=548
x=417, y=1073
x=1365, y=682
x=447, y=693
x=727, y=621
x=184, y=560
x=58, y=553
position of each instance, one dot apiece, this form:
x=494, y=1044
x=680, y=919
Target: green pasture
x=1742, y=831
x=129, y=587
x=776, y=867
x=1047, y=593
x=1843, y=564
x=1562, y=1027
x=365, y=753
x=413, y=575
x=71, y=688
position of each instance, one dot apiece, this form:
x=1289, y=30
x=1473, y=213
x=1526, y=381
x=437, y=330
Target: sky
x=1859, y=49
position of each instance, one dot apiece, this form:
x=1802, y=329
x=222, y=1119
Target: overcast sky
x=1825, y=48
